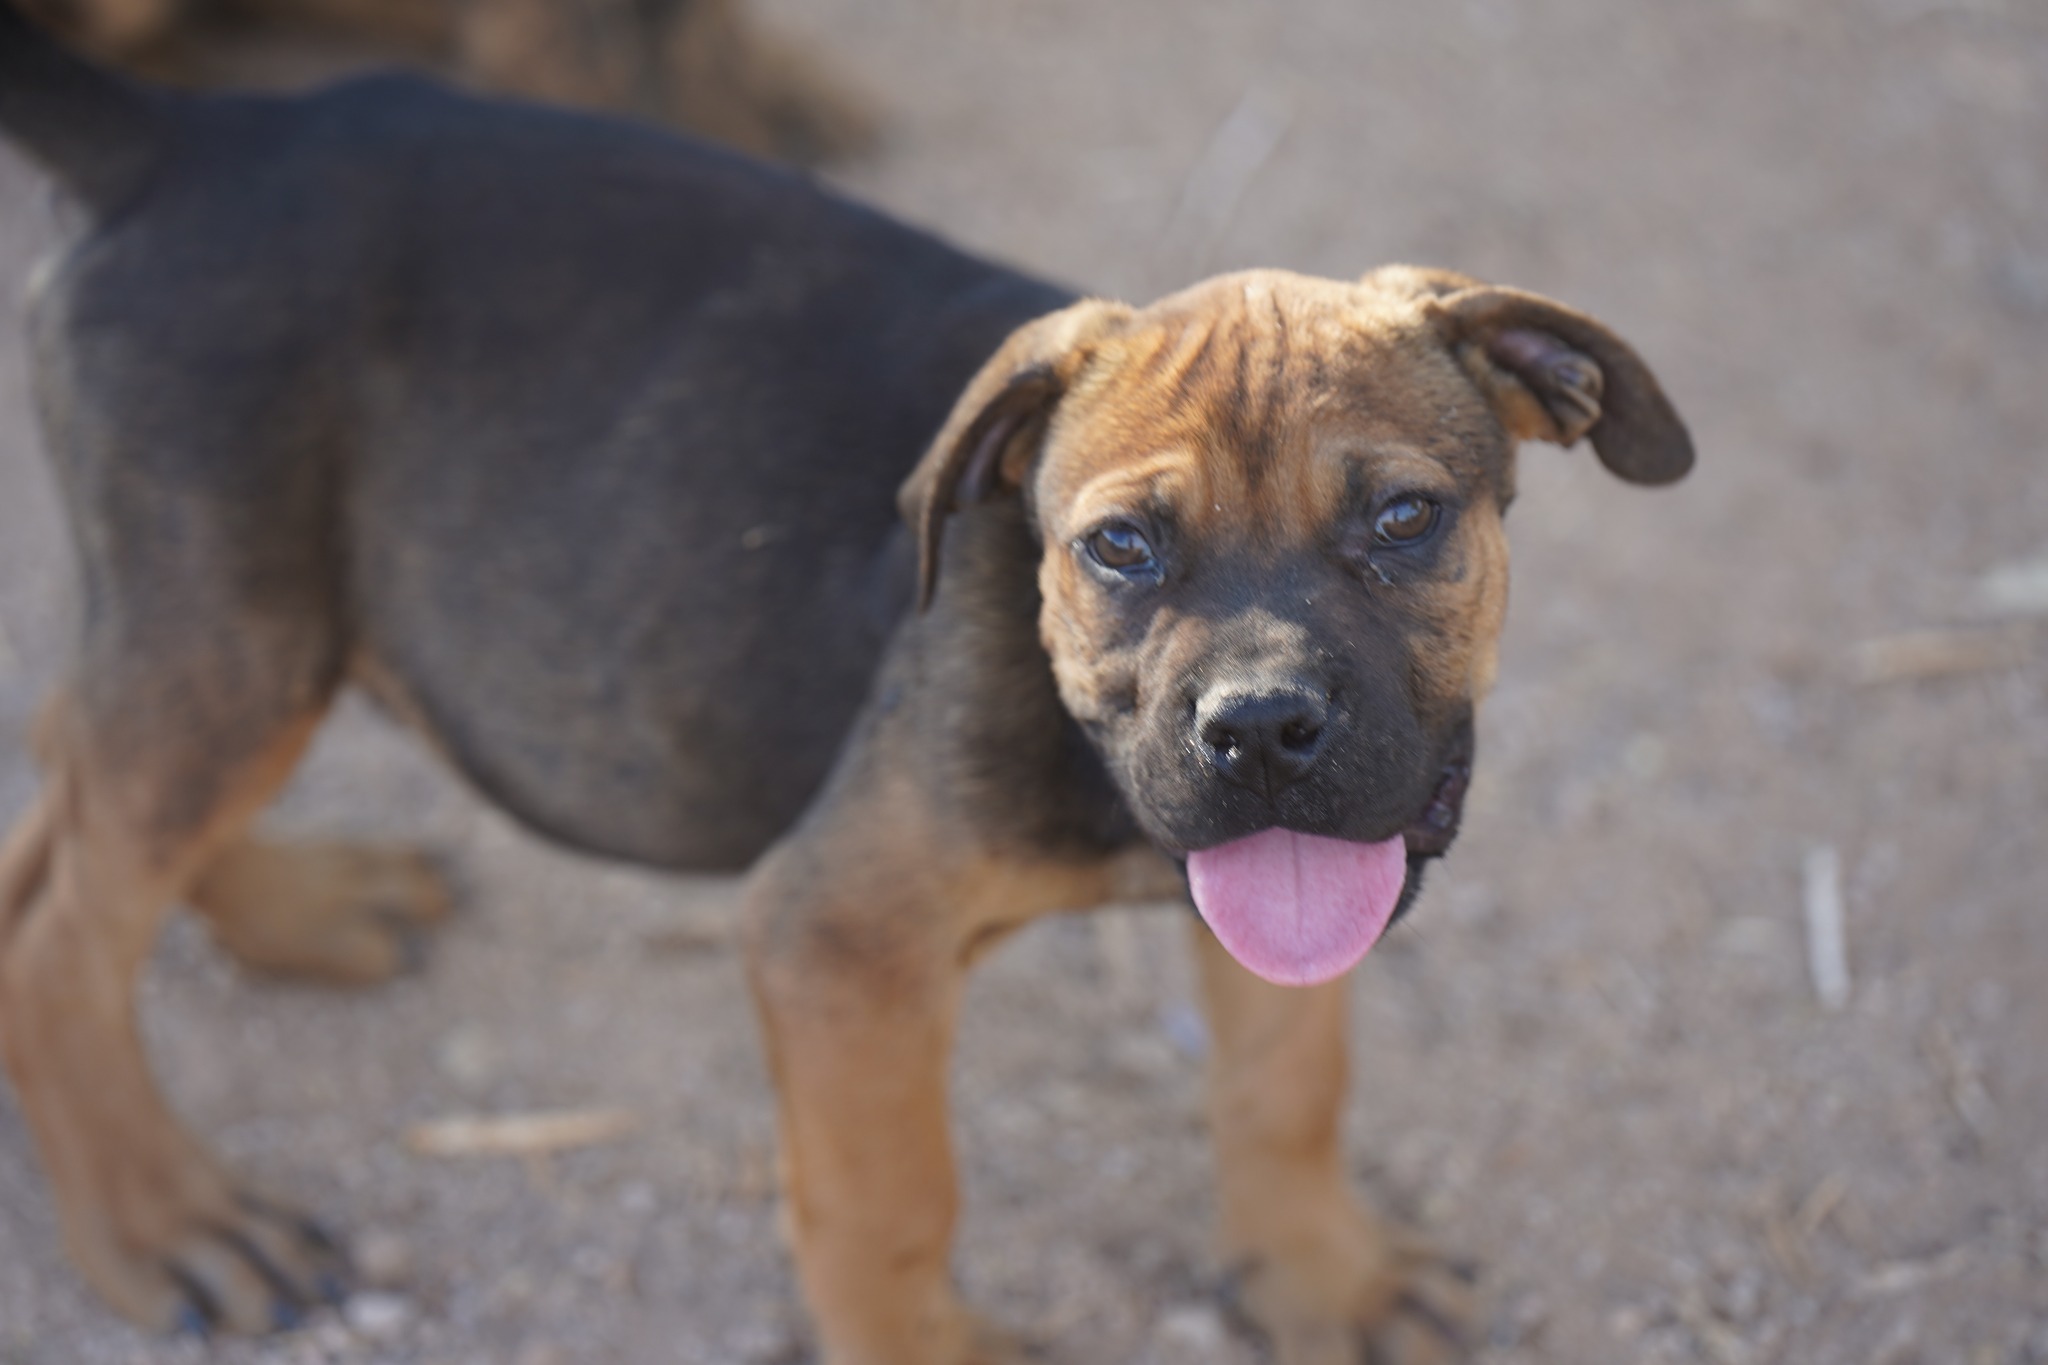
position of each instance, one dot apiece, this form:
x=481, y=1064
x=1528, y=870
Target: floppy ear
x=1555, y=375
x=986, y=446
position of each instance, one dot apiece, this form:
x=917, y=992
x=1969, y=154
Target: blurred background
x=1813, y=677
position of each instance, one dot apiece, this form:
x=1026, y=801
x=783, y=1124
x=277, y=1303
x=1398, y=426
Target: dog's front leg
x=857, y=948
x=1313, y=1269
x=858, y=1017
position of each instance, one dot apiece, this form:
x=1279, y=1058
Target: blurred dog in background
x=705, y=65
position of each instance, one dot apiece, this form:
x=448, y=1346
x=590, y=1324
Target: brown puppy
x=580, y=448
x=1263, y=521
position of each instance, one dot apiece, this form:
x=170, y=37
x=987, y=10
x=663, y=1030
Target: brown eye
x=1122, y=547
x=1405, y=521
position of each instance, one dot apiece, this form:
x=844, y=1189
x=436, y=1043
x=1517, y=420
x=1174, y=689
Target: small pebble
x=1144, y=1056
x=1741, y=1297
x=379, y=1317
x=1644, y=757
x=691, y=935
x=1190, y=1331
x=1628, y=1322
x=638, y=1199
x=1522, y=1317
x=467, y=1056
x=1186, y=1030
x=1753, y=936
x=762, y=1341
x=384, y=1259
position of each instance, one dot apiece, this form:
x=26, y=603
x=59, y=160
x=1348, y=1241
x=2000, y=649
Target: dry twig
x=534, y=1134
x=1827, y=952
x=2016, y=589
x=1961, y=1083
x=1935, y=654
x=1900, y=1277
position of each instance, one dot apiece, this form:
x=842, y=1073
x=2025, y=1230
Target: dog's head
x=1274, y=568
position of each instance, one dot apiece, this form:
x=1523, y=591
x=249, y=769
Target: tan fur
x=1152, y=416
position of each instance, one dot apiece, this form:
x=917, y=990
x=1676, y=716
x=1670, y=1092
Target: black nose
x=1262, y=740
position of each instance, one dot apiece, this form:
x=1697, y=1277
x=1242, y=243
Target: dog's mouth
x=1301, y=909
x=1430, y=834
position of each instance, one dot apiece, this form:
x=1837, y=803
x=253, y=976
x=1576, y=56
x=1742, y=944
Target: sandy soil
x=1595, y=1061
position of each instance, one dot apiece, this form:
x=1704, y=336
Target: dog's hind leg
x=1310, y=1266
x=150, y=771
x=337, y=914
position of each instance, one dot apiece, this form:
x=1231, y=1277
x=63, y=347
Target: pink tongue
x=1297, y=909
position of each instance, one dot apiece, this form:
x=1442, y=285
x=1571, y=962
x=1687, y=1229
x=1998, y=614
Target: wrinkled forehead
x=1265, y=400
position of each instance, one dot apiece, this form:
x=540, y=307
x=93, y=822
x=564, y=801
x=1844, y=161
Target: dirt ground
x=1594, y=1060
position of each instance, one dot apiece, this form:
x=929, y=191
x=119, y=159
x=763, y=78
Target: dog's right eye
x=1122, y=547
x=1405, y=521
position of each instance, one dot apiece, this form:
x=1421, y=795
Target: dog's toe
x=1430, y=1317
x=260, y=1270
x=197, y=1258
x=1422, y=1328
x=1413, y=1307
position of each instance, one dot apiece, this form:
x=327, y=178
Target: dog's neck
x=1014, y=764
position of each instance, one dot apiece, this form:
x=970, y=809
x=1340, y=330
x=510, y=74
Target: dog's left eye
x=1405, y=521
x=1122, y=547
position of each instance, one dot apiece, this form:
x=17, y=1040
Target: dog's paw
x=1406, y=1306
x=1431, y=1316
x=339, y=914
x=202, y=1257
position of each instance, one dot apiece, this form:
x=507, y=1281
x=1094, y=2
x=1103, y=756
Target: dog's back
x=513, y=414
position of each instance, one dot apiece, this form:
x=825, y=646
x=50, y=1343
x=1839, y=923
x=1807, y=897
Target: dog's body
x=579, y=447
x=504, y=383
